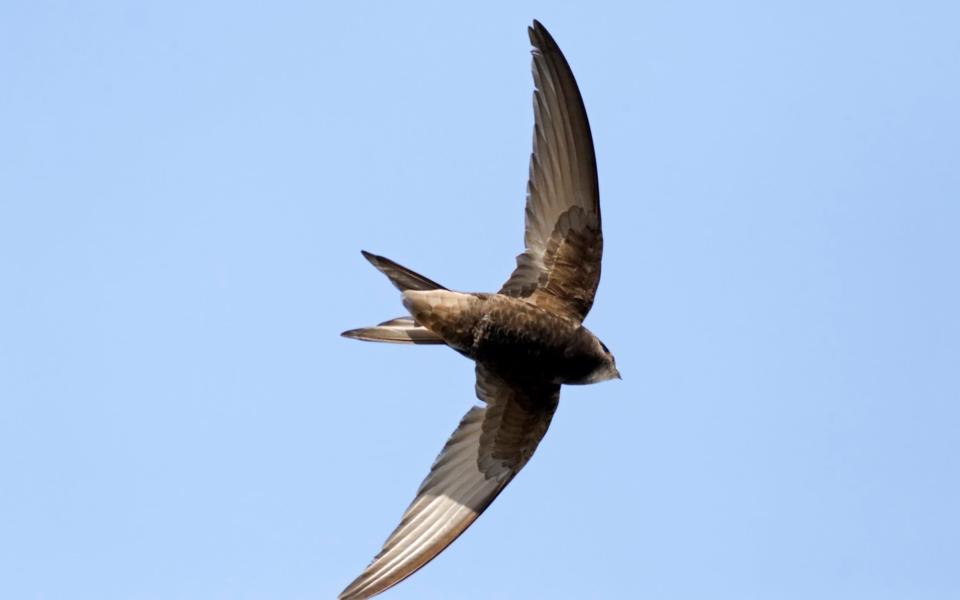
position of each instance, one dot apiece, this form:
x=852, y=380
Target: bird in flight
x=526, y=340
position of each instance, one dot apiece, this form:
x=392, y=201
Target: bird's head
x=596, y=358
x=608, y=368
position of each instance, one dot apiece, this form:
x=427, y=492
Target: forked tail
x=402, y=330
x=401, y=277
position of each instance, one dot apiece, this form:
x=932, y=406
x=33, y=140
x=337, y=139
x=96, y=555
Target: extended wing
x=560, y=268
x=482, y=456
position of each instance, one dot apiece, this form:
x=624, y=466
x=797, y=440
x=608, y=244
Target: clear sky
x=184, y=192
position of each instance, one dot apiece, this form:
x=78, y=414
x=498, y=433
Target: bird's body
x=513, y=338
x=526, y=340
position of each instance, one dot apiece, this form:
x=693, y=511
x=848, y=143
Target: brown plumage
x=526, y=340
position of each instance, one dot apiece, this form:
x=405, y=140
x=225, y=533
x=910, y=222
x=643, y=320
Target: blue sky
x=184, y=191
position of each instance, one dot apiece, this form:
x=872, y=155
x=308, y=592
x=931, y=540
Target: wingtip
x=359, y=590
x=346, y=594
x=540, y=37
x=349, y=594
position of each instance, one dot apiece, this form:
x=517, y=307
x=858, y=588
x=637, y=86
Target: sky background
x=184, y=192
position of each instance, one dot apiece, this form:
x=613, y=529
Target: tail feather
x=402, y=330
x=403, y=278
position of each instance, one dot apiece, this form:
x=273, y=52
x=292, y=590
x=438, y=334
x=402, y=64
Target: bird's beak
x=618, y=375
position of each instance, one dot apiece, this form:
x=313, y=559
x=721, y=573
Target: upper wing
x=560, y=268
x=482, y=456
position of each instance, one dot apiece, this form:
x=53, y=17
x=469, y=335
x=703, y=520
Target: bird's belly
x=523, y=342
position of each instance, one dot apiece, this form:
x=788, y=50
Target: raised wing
x=560, y=268
x=482, y=456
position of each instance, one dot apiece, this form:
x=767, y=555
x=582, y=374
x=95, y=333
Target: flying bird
x=526, y=340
